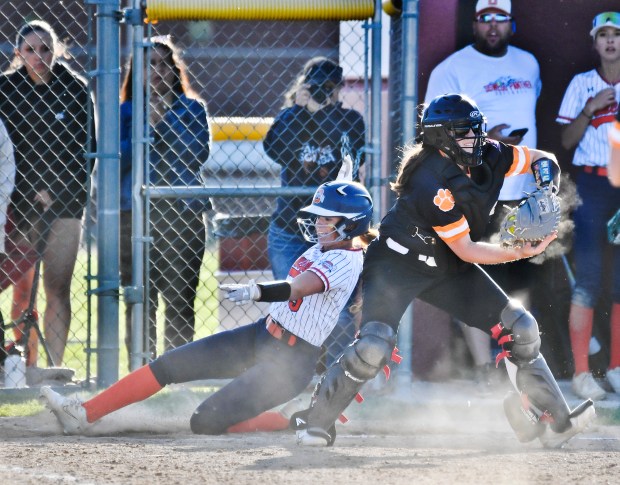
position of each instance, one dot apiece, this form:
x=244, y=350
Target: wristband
x=275, y=291
x=546, y=172
x=584, y=114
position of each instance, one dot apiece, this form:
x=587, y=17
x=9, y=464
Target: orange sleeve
x=521, y=161
x=454, y=231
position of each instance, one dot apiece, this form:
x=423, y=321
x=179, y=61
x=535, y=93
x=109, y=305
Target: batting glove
x=240, y=293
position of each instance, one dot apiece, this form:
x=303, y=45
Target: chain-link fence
x=47, y=109
x=246, y=74
x=212, y=91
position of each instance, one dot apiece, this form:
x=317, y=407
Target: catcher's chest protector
x=477, y=195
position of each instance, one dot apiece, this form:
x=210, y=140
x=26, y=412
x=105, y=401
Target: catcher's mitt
x=532, y=220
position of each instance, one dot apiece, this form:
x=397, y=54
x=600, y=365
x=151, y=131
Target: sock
x=580, y=329
x=134, y=387
x=614, y=345
x=267, y=421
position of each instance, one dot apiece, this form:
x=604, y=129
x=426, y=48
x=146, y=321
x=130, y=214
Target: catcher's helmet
x=448, y=117
x=349, y=200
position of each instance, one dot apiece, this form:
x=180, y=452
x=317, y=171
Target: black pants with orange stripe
x=391, y=283
x=265, y=372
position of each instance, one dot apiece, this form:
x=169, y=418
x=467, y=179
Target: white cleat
x=581, y=418
x=69, y=411
x=307, y=439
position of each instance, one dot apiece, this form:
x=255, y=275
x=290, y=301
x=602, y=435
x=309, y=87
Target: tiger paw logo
x=444, y=200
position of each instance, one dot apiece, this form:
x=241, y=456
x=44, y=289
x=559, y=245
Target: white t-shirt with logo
x=504, y=88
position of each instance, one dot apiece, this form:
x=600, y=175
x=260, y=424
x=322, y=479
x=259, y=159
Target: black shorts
x=390, y=284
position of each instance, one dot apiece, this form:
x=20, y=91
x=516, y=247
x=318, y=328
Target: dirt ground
x=425, y=437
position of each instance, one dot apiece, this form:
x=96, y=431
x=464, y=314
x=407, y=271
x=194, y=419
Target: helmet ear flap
x=345, y=228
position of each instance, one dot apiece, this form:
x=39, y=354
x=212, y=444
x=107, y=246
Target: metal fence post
x=137, y=220
x=108, y=199
x=408, y=110
x=375, y=111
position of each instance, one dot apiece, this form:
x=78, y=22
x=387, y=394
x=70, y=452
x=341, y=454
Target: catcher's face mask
x=470, y=139
x=448, y=119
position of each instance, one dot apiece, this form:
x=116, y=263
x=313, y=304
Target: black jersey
x=442, y=203
x=48, y=125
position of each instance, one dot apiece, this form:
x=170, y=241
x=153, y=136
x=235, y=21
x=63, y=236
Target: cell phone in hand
x=519, y=132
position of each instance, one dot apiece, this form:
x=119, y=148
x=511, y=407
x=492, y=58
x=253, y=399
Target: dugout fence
x=241, y=59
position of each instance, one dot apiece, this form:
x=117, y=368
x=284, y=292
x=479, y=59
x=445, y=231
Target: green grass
x=19, y=406
x=206, y=307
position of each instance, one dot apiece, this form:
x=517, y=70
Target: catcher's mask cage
x=449, y=118
x=348, y=200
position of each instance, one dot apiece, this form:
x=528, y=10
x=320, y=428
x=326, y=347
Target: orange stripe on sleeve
x=521, y=161
x=453, y=231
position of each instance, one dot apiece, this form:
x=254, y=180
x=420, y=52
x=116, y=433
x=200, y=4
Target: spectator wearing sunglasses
x=505, y=83
x=588, y=113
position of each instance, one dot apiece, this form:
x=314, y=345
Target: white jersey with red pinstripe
x=313, y=317
x=593, y=149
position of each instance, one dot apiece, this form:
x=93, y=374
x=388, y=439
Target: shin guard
x=537, y=384
x=523, y=421
x=360, y=362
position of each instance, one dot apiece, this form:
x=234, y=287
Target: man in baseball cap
x=491, y=6
x=605, y=19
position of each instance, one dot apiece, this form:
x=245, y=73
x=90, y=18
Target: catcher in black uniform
x=430, y=247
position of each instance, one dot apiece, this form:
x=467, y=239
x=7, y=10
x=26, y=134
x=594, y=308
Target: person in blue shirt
x=181, y=144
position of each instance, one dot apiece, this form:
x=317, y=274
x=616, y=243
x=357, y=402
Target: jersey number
x=295, y=304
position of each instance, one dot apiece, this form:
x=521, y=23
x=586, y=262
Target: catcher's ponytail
x=413, y=156
x=366, y=238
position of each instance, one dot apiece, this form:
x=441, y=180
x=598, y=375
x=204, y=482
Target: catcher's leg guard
x=540, y=395
x=360, y=362
x=525, y=423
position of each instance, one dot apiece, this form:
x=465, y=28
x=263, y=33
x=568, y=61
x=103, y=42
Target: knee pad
x=363, y=359
x=520, y=333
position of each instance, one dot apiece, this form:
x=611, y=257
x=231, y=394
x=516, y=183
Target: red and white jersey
x=593, y=149
x=313, y=317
